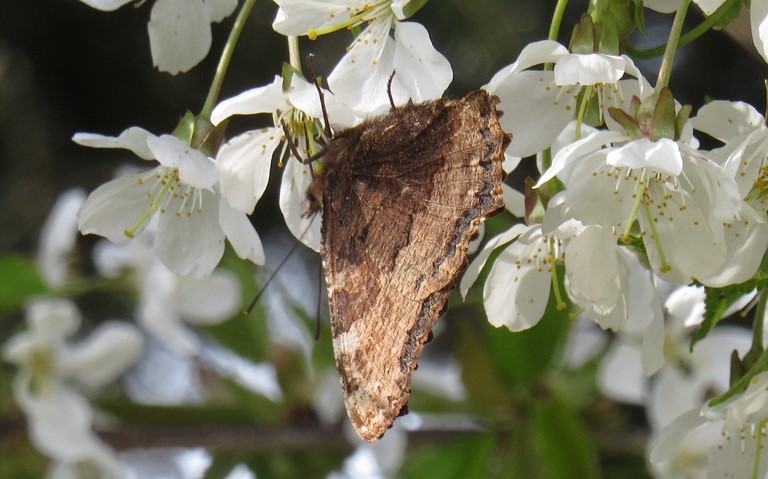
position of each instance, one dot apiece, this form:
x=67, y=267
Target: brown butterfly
x=401, y=197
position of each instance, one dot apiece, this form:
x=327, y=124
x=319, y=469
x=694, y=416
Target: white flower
x=669, y=6
x=682, y=201
x=244, y=162
x=737, y=450
x=517, y=288
x=49, y=367
x=167, y=301
x=183, y=192
x=552, y=94
x=179, y=30
x=360, y=79
x=58, y=237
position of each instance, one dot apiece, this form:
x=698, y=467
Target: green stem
x=226, y=56
x=293, y=53
x=693, y=34
x=757, y=325
x=557, y=19
x=674, y=39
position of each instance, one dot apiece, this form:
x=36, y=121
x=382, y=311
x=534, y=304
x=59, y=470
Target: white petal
x=758, y=15
x=588, y=69
x=516, y=295
x=296, y=17
x=106, y=5
x=620, y=375
x=264, y=99
x=115, y=207
x=58, y=237
x=662, y=6
x=293, y=204
x=478, y=263
x=179, y=34
x=545, y=51
x=218, y=10
x=195, y=168
x=592, y=267
x=260, y=378
x=102, y=356
x=660, y=156
x=240, y=233
x=514, y=201
x=675, y=435
x=191, y=245
x=426, y=72
x=208, y=300
x=523, y=93
x=747, y=240
x=360, y=79
x=53, y=318
x=59, y=421
x=581, y=147
x=134, y=139
x=244, y=163
x=303, y=95
x=709, y=6
x=727, y=120
x=157, y=314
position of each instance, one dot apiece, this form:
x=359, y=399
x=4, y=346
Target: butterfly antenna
x=389, y=90
x=272, y=276
x=313, y=79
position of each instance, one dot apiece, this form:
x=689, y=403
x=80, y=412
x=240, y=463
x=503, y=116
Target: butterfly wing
x=403, y=196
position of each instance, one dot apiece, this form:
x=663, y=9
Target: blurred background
x=486, y=403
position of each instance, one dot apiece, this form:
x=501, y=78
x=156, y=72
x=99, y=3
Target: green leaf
x=717, y=300
x=19, y=279
x=561, y=441
x=468, y=458
x=523, y=357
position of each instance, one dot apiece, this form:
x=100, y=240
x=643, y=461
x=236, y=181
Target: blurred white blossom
x=52, y=369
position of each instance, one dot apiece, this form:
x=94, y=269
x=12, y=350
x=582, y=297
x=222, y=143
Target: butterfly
x=401, y=195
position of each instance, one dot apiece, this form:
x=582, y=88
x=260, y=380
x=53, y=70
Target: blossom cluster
x=630, y=223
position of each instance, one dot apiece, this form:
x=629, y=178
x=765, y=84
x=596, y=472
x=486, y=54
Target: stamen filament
x=662, y=257
x=639, y=193
x=130, y=232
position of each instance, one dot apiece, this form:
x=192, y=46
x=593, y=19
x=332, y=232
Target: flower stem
x=226, y=56
x=293, y=52
x=672, y=43
x=693, y=34
x=557, y=19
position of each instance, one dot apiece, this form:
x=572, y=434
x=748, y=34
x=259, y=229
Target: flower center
x=366, y=12
x=167, y=193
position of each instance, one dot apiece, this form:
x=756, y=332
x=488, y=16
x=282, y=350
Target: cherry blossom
x=360, y=79
x=183, y=191
x=553, y=94
x=50, y=368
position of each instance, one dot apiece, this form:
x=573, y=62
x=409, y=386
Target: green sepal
x=663, y=120
x=630, y=125
x=681, y=119
x=412, y=7
x=185, y=129
x=583, y=37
